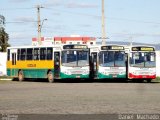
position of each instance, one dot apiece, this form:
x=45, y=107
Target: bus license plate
x=144, y=76
x=114, y=76
x=77, y=76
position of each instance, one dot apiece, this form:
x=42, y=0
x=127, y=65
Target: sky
x=125, y=20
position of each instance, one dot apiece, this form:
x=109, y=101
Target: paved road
x=79, y=98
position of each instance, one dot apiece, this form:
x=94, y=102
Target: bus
x=108, y=62
x=75, y=62
x=141, y=63
x=51, y=62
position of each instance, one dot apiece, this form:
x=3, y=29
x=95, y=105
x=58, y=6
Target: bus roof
x=42, y=46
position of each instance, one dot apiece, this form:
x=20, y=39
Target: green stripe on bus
x=64, y=76
x=29, y=73
x=102, y=76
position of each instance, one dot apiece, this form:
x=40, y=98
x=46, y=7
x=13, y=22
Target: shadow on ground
x=87, y=81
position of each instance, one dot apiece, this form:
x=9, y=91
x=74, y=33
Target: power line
x=133, y=20
x=74, y=13
x=98, y=16
x=83, y=14
x=21, y=22
x=17, y=8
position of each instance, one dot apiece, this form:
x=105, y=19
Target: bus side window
x=23, y=54
x=29, y=53
x=42, y=53
x=18, y=54
x=36, y=54
x=49, y=53
x=8, y=54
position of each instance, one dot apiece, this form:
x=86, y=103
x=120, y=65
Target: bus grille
x=143, y=73
x=114, y=72
x=77, y=72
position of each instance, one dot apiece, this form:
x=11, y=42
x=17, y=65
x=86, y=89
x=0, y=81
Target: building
x=3, y=61
x=65, y=40
x=44, y=41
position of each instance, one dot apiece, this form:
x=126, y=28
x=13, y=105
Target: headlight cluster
x=67, y=72
x=85, y=72
x=122, y=73
x=105, y=73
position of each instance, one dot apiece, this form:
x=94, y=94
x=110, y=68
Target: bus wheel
x=50, y=77
x=20, y=76
x=149, y=80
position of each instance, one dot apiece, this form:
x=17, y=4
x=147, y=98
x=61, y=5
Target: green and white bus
x=108, y=62
x=51, y=62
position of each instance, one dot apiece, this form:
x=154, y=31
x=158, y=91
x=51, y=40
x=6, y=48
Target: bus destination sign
x=112, y=48
x=74, y=47
x=142, y=49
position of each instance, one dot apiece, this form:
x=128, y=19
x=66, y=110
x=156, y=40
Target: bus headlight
x=152, y=73
x=85, y=72
x=105, y=73
x=122, y=73
x=67, y=72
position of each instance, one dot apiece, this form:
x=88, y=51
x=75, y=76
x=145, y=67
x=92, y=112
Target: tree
x=4, y=37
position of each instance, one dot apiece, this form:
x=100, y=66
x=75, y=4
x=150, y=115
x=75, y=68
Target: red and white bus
x=141, y=64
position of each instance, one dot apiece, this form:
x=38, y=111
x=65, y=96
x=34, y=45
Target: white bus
x=141, y=63
x=108, y=62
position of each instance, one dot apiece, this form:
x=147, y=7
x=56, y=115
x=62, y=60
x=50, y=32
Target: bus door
x=14, y=59
x=13, y=62
x=126, y=64
x=94, y=65
x=56, y=64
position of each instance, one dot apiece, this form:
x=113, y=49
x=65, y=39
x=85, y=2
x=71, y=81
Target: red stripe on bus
x=131, y=76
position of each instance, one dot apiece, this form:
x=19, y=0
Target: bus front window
x=112, y=58
x=83, y=58
x=106, y=58
x=73, y=58
x=119, y=59
x=150, y=59
x=69, y=58
x=142, y=59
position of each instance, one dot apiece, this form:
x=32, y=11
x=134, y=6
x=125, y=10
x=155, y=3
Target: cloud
x=20, y=38
x=19, y=35
x=85, y=25
x=128, y=35
x=56, y=13
x=51, y=3
x=19, y=1
x=25, y=19
x=59, y=27
x=80, y=5
x=155, y=35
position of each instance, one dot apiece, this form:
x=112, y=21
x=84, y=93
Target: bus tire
x=50, y=77
x=20, y=76
x=149, y=80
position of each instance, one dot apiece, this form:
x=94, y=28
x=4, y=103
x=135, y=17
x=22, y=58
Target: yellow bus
x=51, y=62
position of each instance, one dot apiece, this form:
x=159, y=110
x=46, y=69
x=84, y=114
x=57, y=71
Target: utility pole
x=131, y=41
x=39, y=24
x=103, y=25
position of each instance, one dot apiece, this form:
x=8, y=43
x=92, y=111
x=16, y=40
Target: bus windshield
x=142, y=59
x=75, y=58
x=112, y=58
